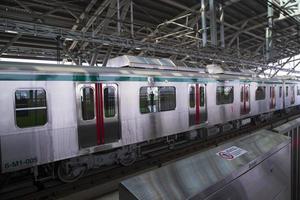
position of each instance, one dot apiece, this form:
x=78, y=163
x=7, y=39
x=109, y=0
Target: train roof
x=41, y=68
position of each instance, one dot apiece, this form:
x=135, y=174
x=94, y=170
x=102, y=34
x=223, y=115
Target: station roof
x=94, y=30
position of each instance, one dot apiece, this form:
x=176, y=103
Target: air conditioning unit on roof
x=214, y=69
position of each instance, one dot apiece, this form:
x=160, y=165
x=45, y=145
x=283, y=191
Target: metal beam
x=118, y=18
x=94, y=58
x=70, y=55
x=53, y=32
x=110, y=13
x=269, y=29
x=83, y=15
x=100, y=9
x=176, y=4
x=213, y=23
x=107, y=56
x=222, y=37
x=203, y=23
x=237, y=33
x=281, y=66
x=294, y=67
x=13, y=40
x=131, y=19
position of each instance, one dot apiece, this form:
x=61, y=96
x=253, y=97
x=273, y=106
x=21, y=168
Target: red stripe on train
x=102, y=131
x=99, y=113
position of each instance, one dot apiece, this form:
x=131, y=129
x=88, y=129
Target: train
x=66, y=119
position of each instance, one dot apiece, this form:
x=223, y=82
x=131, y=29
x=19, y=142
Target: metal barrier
x=256, y=166
x=292, y=129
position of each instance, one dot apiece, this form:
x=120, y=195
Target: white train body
x=130, y=119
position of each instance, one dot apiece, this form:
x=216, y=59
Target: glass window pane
x=87, y=103
x=167, y=98
x=31, y=108
x=192, y=96
x=202, y=96
x=298, y=91
x=247, y=88
x=280, y=91
x=30, y=98
x=148, y=99
x=109, y=102
x=30, y=118
x=242, y=93
x=287, y=91
x=292, y=94
x=260, y=93
x=224, y=95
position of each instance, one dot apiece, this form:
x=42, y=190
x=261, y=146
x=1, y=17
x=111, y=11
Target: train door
x=283, y=96
x=98, y=117
x=245, y=99
x=292, y=94
x=197, y=104
x=272, y=97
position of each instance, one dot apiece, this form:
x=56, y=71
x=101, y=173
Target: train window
x=192, y=96
x=167, y=98
x=148, y=99
x=260, y=93
x=280, y=91
x=157, y=99
x=87, y=103
x=242, y=93
x=298, y=91
x=31, y=108
x=109, y=101
x=292, y=94
x=272, y=91
x=287, y=91
x=202, y=95
x=224, y=95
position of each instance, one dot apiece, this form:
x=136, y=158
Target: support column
x=203, y=19
x=238, y=46
x=118, y=16
x=222, y=38
x=269, y=28
x=79, y=60
x=94, y=59
x=131, y=19
x=213, y=23
x=107, y=56
x=58, y=48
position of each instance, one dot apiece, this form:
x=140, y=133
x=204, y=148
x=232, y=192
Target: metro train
x=68, y=119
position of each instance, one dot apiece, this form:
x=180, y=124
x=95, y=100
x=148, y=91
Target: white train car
x=83, y=117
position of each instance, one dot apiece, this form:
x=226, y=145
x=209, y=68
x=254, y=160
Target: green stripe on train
x=75, y=77
x=44, y=77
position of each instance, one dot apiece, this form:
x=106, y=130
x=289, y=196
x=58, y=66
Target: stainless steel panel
x=291, y=129
x=57, y=140
x=87, y=130
x=266, y=181
x=263, y=170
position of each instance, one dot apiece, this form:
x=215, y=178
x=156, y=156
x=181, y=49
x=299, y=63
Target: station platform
x=256, y=166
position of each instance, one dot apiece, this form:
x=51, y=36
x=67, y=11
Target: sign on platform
x=231, y=153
